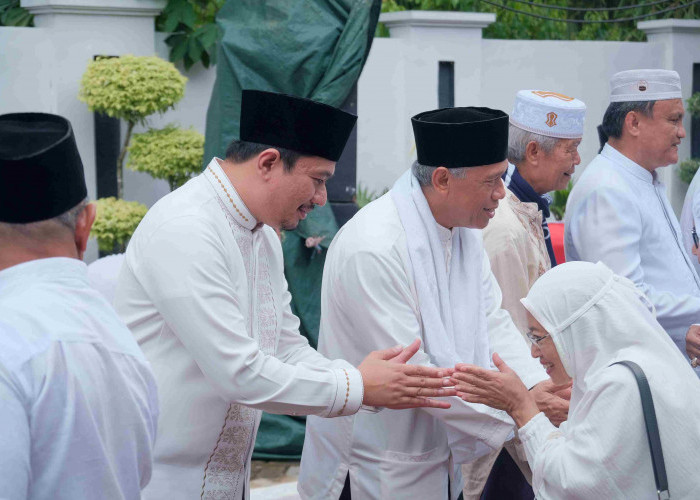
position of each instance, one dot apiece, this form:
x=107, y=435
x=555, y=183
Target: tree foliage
x=115, y=222
x=518, y=25
x=11, y=14
x=194, y=34
x=172, y=154
x=131, y=87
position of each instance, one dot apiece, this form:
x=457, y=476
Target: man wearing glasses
x=618, y=212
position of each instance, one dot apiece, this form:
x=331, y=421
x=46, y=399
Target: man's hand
x=553, y=400
x=391, y=383
x=692, y=342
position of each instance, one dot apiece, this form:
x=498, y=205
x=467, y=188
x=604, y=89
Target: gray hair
x=425, y=174
x=518, y=139
x=46, y=228
x=615, y=115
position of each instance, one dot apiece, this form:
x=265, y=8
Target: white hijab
x=596, y=318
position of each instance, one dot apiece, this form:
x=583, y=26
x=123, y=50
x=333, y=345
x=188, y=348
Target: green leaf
x=16, y=16
x=195, y=49
x=209, y=35
x=178, y=47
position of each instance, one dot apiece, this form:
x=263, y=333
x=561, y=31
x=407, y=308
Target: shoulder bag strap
x=657, y=456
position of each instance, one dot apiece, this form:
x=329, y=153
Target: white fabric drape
x=443, y=297
x=597, y=318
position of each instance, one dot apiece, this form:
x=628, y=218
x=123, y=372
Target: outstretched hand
x=500, y=389
x=391, y=383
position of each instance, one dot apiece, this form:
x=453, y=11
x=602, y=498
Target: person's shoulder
x=22, y=334
x=505, y=228
x=375, y=228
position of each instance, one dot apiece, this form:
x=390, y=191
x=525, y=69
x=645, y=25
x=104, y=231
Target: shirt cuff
x=535, y=433
x=349, y=393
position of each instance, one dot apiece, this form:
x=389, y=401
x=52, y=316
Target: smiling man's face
x=473, y=200
x=660, y=134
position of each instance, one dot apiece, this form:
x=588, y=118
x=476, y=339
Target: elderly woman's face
x=546, y=352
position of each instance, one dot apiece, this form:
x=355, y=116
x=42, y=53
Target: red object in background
x=556, y=233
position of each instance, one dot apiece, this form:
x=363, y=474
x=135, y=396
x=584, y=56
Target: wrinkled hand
x=692, y=342
x=500, y=389
x=553, y=400
x=391, y=383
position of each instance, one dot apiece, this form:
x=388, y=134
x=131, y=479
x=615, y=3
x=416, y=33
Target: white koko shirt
x=204, y=293
x=369, y=300
x=618, y=214
x=78, y=402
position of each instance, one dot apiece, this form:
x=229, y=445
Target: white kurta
x=690, y=216
x=369, y=300
x=618, y=213
x=78, y=402
x=203, y=291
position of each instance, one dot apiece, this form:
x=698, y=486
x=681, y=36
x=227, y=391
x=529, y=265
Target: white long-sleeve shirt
x=690, y=217
x=618, y=213
x=78, y=402
x=203, y=291
x=369, y=300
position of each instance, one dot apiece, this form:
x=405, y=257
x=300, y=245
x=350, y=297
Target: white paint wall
x=40, y=70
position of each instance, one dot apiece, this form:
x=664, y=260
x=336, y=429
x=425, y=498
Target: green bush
x=694, y=105
x=173, y=154
x=687, y=169
x=131, y=87
x=115, y=222
x=558, y=206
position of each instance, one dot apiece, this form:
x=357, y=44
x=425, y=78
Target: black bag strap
x=657, y=456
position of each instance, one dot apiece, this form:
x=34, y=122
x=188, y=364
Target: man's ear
x=268, y=160
x=440, y=180
x=82, y=228
x=532, y=152
x=631, y=123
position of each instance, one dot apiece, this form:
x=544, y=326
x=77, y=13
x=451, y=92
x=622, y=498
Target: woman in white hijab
x=583, y=319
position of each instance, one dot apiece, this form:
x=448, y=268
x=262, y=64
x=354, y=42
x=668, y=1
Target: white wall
x=40, y=70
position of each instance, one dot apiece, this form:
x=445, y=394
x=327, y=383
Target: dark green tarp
x=307, y=48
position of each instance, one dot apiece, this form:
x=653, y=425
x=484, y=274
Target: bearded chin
x=288, y=225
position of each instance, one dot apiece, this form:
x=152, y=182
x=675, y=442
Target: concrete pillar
x=680, y=39
x=427, y=38
x=76, y=31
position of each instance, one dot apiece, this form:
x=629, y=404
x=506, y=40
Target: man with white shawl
x=411, y=265
x=584, y=319
x=618, y=211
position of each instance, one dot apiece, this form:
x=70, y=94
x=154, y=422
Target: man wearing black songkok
x=78, y=402
x=408, y=266
x=203, y=290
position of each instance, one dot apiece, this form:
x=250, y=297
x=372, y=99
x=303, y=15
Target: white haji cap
x=548, y=113
x=645, y=85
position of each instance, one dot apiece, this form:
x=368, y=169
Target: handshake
x=389, y=382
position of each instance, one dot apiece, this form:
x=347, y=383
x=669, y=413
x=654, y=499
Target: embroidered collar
x=229, y=196
x=629, y=166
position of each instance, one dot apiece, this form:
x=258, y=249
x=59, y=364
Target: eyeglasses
x=694, y=234
x=534, y=338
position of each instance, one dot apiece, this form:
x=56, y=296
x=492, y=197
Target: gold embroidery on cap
x=545, y=93
x=551, y=119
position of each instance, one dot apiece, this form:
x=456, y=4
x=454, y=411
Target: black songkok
x=41, y=175
x=461, y=137
x=302, y=125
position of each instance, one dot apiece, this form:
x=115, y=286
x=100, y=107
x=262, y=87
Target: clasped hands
x=391, y=383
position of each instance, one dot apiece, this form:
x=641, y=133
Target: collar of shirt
x=43, y=270
x=627, y=165
x=524, y=192
x=446, y=240
x=229, y=196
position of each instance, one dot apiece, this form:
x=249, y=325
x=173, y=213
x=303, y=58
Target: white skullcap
x=548, y=113
x=645, y=85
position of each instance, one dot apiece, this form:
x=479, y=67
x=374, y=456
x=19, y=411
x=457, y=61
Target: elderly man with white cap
x=543, y=137
x=618, y=212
